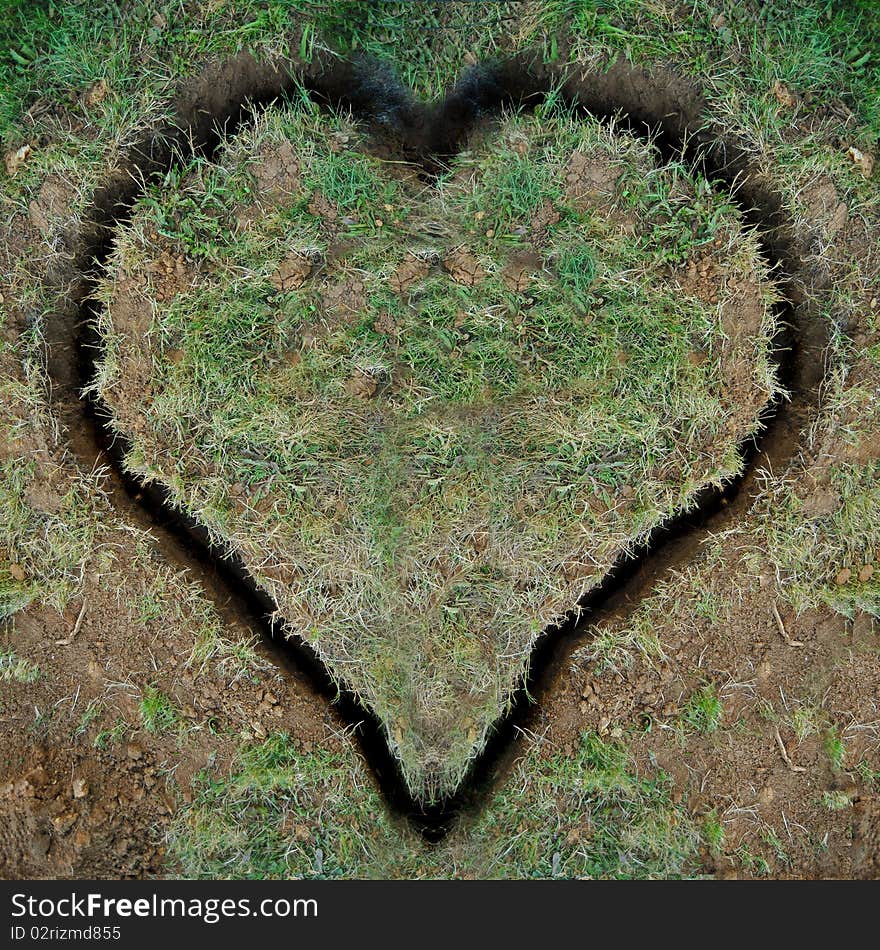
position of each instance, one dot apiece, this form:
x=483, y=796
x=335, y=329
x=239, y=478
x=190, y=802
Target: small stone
x=97, y=93
x=843, y=577
x=16, y=158
x=81, y=839
x=63, y=823
x=866, y=573
x=80, y=788
x=766, y=795
x=864, y=160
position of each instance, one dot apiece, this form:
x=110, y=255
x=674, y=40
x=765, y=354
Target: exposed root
x=781, y=627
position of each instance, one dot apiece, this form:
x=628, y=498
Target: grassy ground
x=429, y=437
x=588, y=814
x=797, y=83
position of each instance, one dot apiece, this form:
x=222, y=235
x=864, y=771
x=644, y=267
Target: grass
x=823, y=555
x=108, y=737
x=45, y=549
x=280, y=813
x=51, y=56
x=835, y=749
x=586, y=815
x=17, y=669
x=355, y=442
x=157, y=711
x=713, y=833
x=704, y=710
x=836, y=801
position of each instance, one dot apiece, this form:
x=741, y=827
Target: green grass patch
x=280, y=813
x=158, y=712
x=704, y=710
x=17, y=669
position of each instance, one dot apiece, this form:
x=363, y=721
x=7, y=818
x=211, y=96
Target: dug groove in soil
x=655, y=103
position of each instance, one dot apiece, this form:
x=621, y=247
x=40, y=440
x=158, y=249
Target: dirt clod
x=362, y=384
x=292, y=273
x=589, y=179
x=409, y=272
x=464, y=267
x=15, y=158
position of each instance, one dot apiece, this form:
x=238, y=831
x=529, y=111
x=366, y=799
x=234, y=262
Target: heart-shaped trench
x=429, y=415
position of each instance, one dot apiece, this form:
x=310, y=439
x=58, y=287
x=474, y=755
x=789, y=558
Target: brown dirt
x=170, y=275
x=520, y=271
x=292, y=272
x=588, y=180
x=362, y=384
x=542, y=220
x=72, y=805
x=409, y=273
x=739, y=772
x=343, y=300
x=323, y=208
x=463, y=267
x=277, y=173
x=52, y=201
